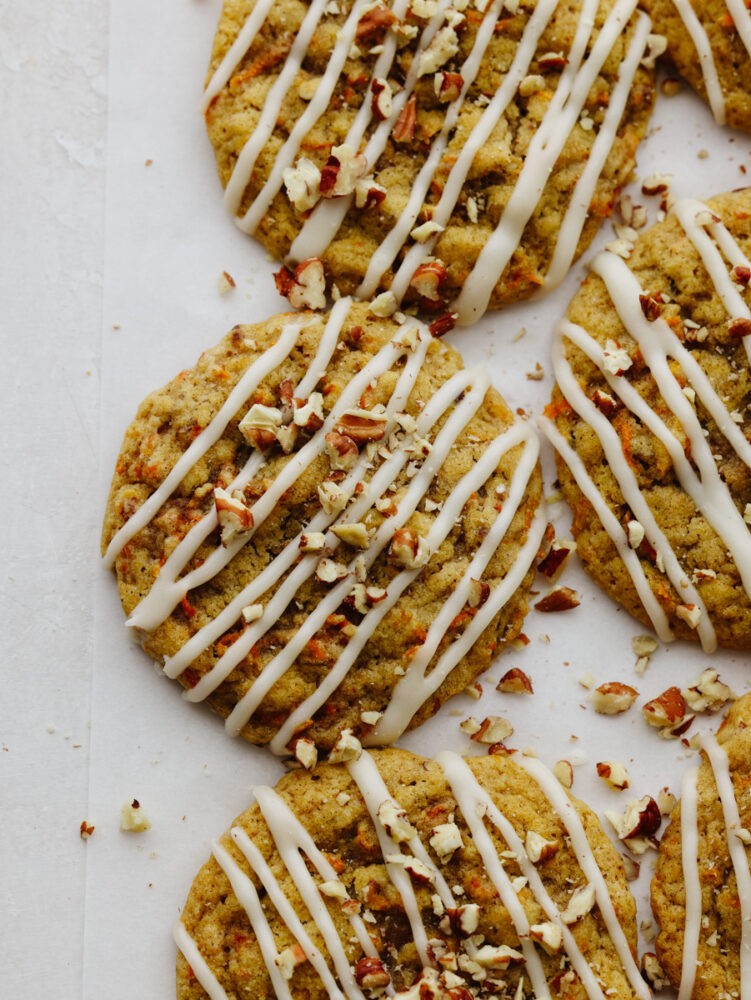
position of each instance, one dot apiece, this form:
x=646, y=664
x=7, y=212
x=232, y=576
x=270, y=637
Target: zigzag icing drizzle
x=400, y=852
x=321, y=226
x=457, y=400
x=718, y=761
x=741, y=16
x=700, y=478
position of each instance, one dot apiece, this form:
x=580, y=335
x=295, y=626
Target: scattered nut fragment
x=305, y=287
x=549, y=935
x=515, y=681
x=354, y=534
x=362, y=425
x=668, y=712
x=328, y=571
x=341, y=172
x=252, y=612
x=642, y=818
x=395, y=822
x=225, y=283
x=559, y=599
x=707, y=693
x=462, y=920
x=670, y=87
x=666, y=801
x=333, y=890
x=587, y=680
x=490, y=957
x=133, y=819
x=631, y=868
x=581, y=902
x=347, y=747
x=286, y=961
x=470, y=726
x=306, y=753
x=341, y=450
x=614, y=774
x=446, y=838
x=371, y=974
x=564, y=772
x=653, y=971
x=85, y=830
x=656, y=183
x=493, y=729
x=613, y=698
x=312, y=541
x=303, y=184
x=408, y=548
x=428, y=279
x=556, y=558
x=538, y=848
x=479, y=592
x=688, y=613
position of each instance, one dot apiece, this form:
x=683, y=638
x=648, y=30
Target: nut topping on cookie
x=581, y=902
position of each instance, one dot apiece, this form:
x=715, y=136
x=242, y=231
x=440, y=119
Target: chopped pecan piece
x=404, y=129
x=559, y=599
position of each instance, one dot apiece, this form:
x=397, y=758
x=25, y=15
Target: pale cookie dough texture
x=650, y=418
x=704, y=934
x=460, y=156
x=450, y=879
x=326, y=525
x=709, y=43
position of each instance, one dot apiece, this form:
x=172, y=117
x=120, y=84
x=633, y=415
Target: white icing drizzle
x=324, y=221
x=479, y=135
x=576, y=213
x=560, y=118
x=198, y=963
x=321, y=226
x=706, y=59
x=317, y=105
x=247, y=896
x=742, y=19
x=284, y=907
x=167, y=590
x=237, y=50
x=686, y=212
x=250, y=381
x=611, y=525
x=690, y=864
x=271, y=106
x=292, y=841
x=625, y=477
x=285, y=560
x=455, y=403
x=720, y=765
x=657, y=343
x=588, y=864
x=469, y=795
x=384, y=255
x=416, y=685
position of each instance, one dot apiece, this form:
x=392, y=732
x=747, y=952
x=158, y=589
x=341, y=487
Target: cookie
x=448, y=879
x=326, y=525
x=460, y=156
x=701, y=891
x=709, y=43
x=650, y=418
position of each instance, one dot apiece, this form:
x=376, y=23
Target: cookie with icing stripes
x=391, y=875
x=460, y=155
x=701, y=892
x=328, y=524
x=650, y=418
x=709, y=43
